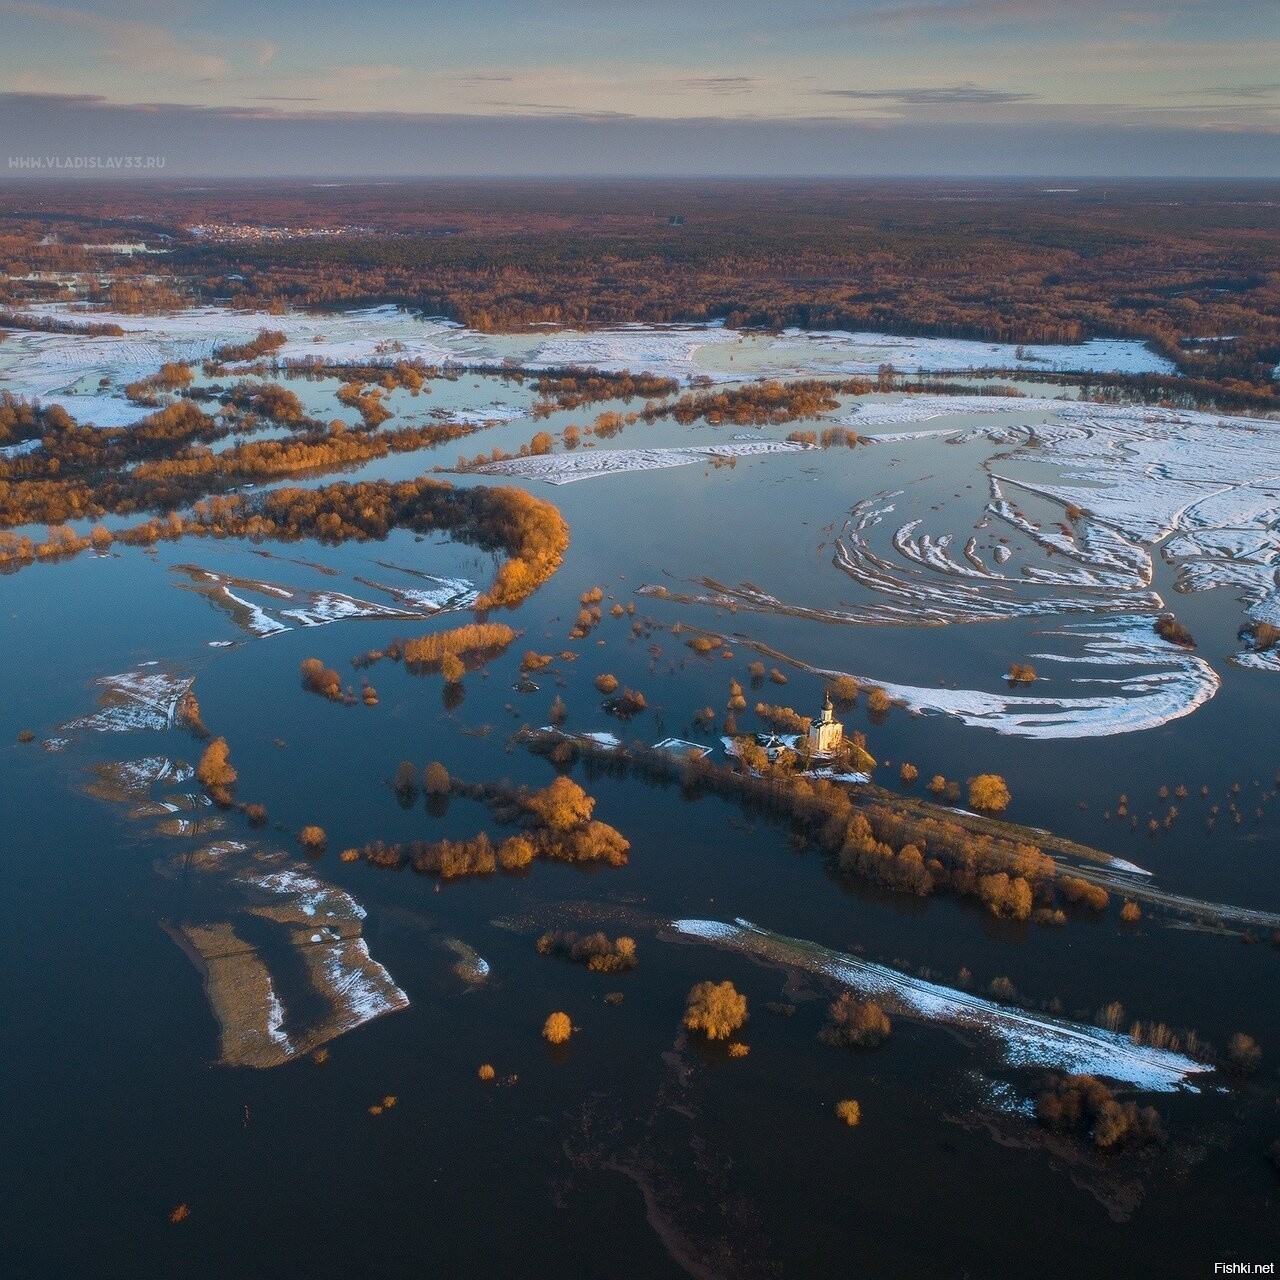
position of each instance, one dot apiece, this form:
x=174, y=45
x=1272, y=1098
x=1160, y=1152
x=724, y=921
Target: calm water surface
x=631, y=1150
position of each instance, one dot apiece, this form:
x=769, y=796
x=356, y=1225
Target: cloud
x=1025, y=11
x=549, y=109
x=145, y=46
x=288, y=139
x=720, y=84
x=925, y=96
x=366, y=73
x=1249, y=92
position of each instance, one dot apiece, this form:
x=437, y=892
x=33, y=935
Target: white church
x=826, y=734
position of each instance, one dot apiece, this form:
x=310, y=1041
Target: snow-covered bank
x=565, y=468
x=310, y=607
x=262, y=1023
x=141, y=699
x=1161, y=682
x=1026, y=1039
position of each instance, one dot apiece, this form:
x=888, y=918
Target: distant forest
x=1193, y=268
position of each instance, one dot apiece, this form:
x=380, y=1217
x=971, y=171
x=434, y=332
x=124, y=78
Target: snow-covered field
x=67, y=369
x=866, y=352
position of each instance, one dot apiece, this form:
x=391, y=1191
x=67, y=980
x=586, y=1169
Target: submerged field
x=211, y=1013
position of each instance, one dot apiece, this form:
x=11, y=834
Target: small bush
x=850, y=1112
x=858, y=1023
x=1243, y=1054
x=989, y=791
x=557, y=1029
x=717, y=1009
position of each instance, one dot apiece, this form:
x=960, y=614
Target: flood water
x=634, y=1150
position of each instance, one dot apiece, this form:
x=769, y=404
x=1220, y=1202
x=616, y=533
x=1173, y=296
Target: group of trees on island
x=556, y=825
x=1167, y=627
x=216, y=771
x=764, y=403
x=435, y=780
x=595, y=950
x=264, y=343
x=903, y=845
x=1084, y=1105
x=151, y=390
x=448, y=652
x=572, y=388
x=862, y=1024
x=325, y=681
x=1261, y=635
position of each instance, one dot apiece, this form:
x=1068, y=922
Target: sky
x=696, y=87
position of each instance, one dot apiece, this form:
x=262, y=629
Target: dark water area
x=634, y=1150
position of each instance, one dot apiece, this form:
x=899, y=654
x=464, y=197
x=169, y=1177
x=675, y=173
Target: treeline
x=531, y=531
x=54, y=324
x=757, y=404
x=571, y=388
x=1007, y=265
x=828, y=438
x=267, y=341
x=143, y=295
x=163, y=462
